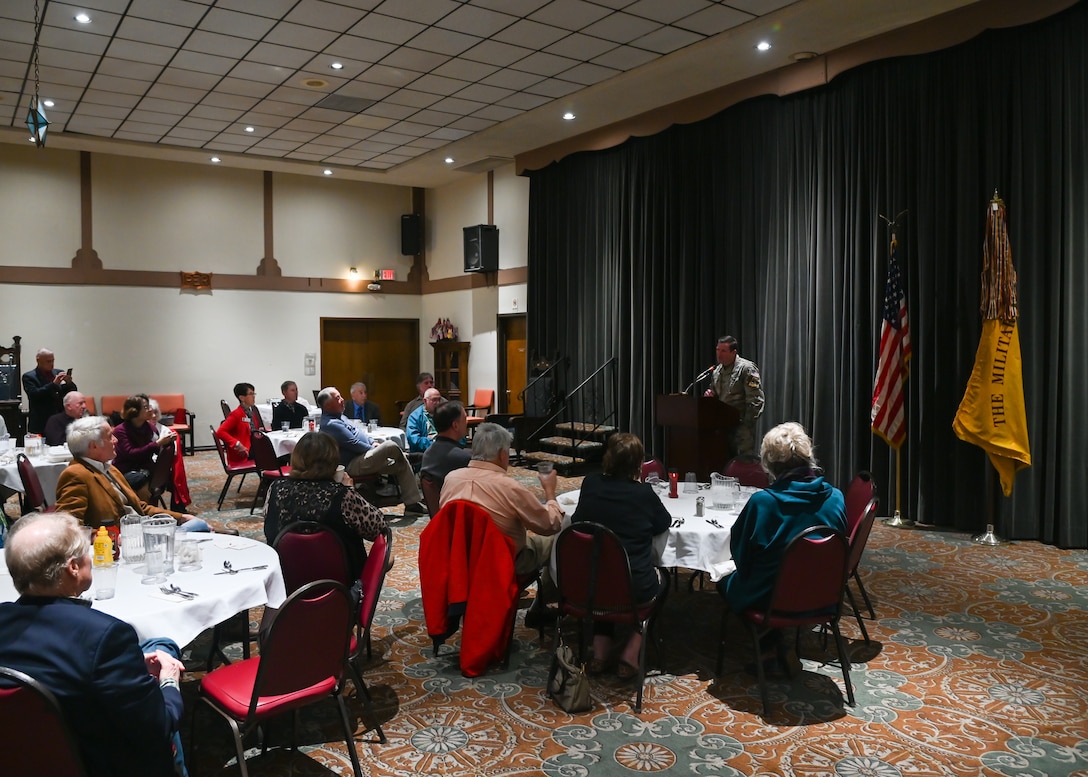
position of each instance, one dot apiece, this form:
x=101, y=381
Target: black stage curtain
x=762, y=222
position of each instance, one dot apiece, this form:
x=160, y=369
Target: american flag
x=889, y=417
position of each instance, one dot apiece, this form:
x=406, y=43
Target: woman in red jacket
x=234, y=431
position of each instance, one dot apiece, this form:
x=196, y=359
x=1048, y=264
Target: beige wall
x=167, y=216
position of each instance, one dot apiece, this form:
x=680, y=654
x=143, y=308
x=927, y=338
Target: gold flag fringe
x=998, y=275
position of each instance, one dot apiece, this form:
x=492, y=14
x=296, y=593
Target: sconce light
x=374, y=286
x=353, y=273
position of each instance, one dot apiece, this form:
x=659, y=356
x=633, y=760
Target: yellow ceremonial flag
x=992, y=414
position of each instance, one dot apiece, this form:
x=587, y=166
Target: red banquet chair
x=858, y=539
x=748, y=473
x=593, y=575
x=808, y=591
x=302, y=661
x=32, y=500
x=34, y=739
x=242, y=468
x=652, y=467
x=268, y=466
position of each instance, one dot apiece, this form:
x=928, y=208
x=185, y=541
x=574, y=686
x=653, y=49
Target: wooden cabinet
x=451, y=369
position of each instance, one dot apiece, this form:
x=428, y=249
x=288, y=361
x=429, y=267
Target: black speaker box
x=482, y=248
x=411, y=234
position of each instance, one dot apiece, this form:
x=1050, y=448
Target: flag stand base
x=897, y=521
x=987, y=537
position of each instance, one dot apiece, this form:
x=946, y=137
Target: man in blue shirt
x=361, y=455
x=420, y=428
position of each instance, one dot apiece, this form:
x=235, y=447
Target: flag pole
x=889, y=393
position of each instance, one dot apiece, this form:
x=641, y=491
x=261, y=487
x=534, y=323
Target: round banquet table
x=48, y=466
x=284, y=442
x=154, y=614
x=691, y=542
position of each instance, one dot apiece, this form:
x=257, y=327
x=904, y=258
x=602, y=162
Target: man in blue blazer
x=122, y=706
x=45, y=388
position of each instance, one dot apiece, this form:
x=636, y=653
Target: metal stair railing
x=600, y=401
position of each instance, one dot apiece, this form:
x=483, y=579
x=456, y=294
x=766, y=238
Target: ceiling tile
x=170, y=35
x=354, y=48
x=387, y=29
x=198, y=123
x=524, y=101
x=137, y=71
x=760, y=7
x=186, y=133
x=465, y=69
x=93, y=125
x=625, y=58
x=393, y=138
x=482, y=93
x=544, y=64
x=426, y=11
x=578, y=46
x=162, y=108
x=236, y=101
x=713, y=20
x=202, y=63
x=449, y=134
x=517, y=7
x=116, y=84
x=413, y=128
x=498, y=112
x=457, y=105
x=301, y=36
x=621, y=28
x=311, y=126
x=413, y=98
x=472, y=20
x=332, y=16
x=71, y=40
x=173, y=76
x=242, y=86
x=530, y=34
x=206, y=42
x=369, y=122
x=63, y=77
x=426, y=144
x=473, y=124
x=406, y=58
x=666, y=40
x=282, y=56
x=390, y=111
x=511, y=79
x=99, y=97
x=493, y=52
x=667, y=11
x=388, y=76
x=554, y=88
x=179, y=12
x=241, y=25
x=263, y=74
x=586, y=74
x=365, y=91
x=213, y=112
x=350, y=133
x=292, y=135
x=435, y=118
x=569, y=14
x=444, y=41
x=438, y=84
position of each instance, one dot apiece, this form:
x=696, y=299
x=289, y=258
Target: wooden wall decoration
x=196, y=281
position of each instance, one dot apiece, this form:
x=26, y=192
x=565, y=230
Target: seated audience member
x=618, y=500
x=424, y=381
x=93, y=490
x=447, y=453
x=360, y=408
x=138, y=442
x=316, y=491
x=798, y=499
x=45, y=387
x=75, y=406
x=120, y=698
x=236, y=427
x=513, y=507
x=420, y=428
x=179, y=482
x=290, y=409
x=361, y=456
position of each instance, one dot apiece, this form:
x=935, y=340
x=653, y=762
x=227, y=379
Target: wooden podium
x=696, y=433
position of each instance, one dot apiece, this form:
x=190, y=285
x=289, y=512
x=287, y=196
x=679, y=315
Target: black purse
x=568, y=683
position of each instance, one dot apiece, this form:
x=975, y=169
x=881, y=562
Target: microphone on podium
x=699, y=377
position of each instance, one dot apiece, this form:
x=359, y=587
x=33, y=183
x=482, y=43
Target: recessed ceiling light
x=803, y=56
x=568, y=116
x=216, y=160
x=249, y=129
x=449, y=160
x=337, y=65
x=48, y=103
x=83, y=18
x=328, y=172
x=763, y=45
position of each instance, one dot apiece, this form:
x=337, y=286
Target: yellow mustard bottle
x=103, y=548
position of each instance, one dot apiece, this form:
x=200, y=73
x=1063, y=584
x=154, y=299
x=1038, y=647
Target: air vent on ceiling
x=335, y=102
x=484, y=165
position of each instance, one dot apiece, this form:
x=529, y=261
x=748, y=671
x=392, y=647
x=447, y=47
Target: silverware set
x=230, y=570
x=173, y=590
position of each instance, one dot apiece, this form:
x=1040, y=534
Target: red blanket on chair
x=466, y=569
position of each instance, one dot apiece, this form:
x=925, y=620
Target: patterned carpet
x=978, y=666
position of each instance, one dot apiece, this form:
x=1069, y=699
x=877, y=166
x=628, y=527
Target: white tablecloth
x=694, y=544
x=220, y=596
x=48, y=468
x=284, y=442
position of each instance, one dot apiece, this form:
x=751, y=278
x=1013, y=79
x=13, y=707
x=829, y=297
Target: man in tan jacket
x=93, y=490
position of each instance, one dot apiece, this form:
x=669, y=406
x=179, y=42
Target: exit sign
x=385, y=275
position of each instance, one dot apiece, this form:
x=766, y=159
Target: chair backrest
x=432, y=492
x=225, y=408
x=860, y=535
x=263, y=453
x=170, y=404
x=653, y=466
x=92, y=408
x=34, y=738
x=748, y=473
x=811, y=574
x=258, y=420
x=307, y=643
x=311, y=551
x=593, y=573
x=482, y=400
x=113, y=403
x=162, y=474
x=33, y=493
x=373, y=575
x=859, y=493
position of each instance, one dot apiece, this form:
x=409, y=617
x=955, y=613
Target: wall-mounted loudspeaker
x=482, y=248
x=411, y=234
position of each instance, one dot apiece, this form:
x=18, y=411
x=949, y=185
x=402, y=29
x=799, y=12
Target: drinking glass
x=187, y=552
x=105, y=580
x=285, y=426
x=544, y=467
x=691, y=486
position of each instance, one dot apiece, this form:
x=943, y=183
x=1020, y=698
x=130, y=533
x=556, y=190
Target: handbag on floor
x=568, y=683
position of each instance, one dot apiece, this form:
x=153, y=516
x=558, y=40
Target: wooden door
x=513, y=334
x=382, y=353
